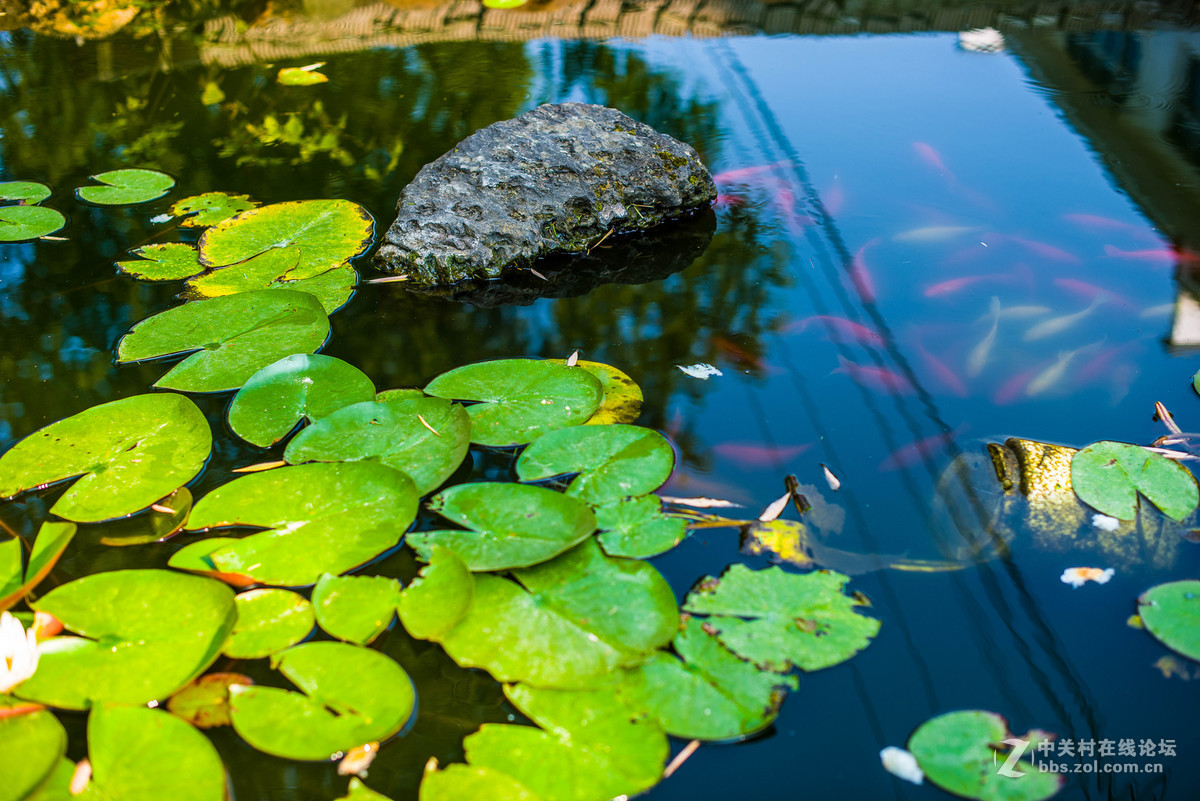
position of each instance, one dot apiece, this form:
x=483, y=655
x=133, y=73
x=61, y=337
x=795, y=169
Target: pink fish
x=931, y=157
x=916, y=451
x=724, y=201
x=1089, y=291
x=945, y=376
x=959, y=284
x=878, y=378
x=834, y=199
x=746, y=174
x=1014, y=387
x=1096, y=222
x=755, y=455
x=860, y=276
x=785, y=204
x=1100, y=365
x=1042, y=249
x=1159, y=257
x=838, y=328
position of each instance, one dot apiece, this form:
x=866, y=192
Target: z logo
x=1007, y=768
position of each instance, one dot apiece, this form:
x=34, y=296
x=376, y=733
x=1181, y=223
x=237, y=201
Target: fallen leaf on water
x=391, y=279
x=700, y=503
x=358, y=759
x=775, y=509
x=1078, y=576
x=258, y=468
x=901, y=764
x=83, y=774
x=1173, y=666
x=1135, y=622
x=834, y=482
x=301, y=76
x=573, y=359
x=700, y=370
x=680, y=758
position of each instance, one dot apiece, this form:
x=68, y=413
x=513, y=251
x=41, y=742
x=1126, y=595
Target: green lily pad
x=622, y=396
x=34, y=743
x=613, y=462
x=501, y=5
x=777, y=619
x=1171, y=612
x=294, y=389
x=321, y=518
x=298, y=76
x=511, y=525
x=589, y=748
x=126, y=187
x=357, y=791
x=57, y=786
x=356, y=609
x=22, y=223
x=328, y=233
x=273, y=270
x=427, y=438
x=12, y=572
x=52, y=539
x=637, y=528
x=439, y=597
x=520, y=399
x=389, y=395
x=210, y=208
x=957, y=752
x=351, y=695
x=149, y=632
x=707, y=692
x=149, y=526
x=557, y=624
x=166, y=262
x=233, y=337
x=129, y=452
x=205, y=702
x=1109, y=475
x=457, y=781
x=23, y=191
x=268, y=621
x=140, y=754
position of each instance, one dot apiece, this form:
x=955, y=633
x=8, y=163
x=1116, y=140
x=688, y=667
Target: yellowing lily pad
x=273, y=270
x=210, y=208
x=298, y=76
x=166, y=262
x=622, y=396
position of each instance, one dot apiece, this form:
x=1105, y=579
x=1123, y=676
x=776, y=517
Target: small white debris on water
x=1105, y=522
x=901, y=764
x=1078, y=576
x=981, y=40
x=160, y=218
x=834, y=483
x=700, y=370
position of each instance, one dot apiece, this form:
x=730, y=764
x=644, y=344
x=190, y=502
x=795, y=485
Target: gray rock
x=555, y=179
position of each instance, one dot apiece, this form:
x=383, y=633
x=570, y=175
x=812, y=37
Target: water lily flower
x=901, y=764
x=1078, y=576
x=18, y=652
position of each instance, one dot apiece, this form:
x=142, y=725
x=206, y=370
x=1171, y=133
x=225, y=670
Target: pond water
x=900, y=181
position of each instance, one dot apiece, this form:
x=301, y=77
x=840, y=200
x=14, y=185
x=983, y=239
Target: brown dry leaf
x=1173, y=666
x=258, y=468
x=358, y=759
x=700, y=503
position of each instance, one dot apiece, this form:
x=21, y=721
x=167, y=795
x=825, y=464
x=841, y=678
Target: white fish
x=933, y=233
x=901, y=764
x=700, y=370
x=1051, y=375
x=1060, y=324
x=979, y=354
x=1162, y=310
x=1018, y=313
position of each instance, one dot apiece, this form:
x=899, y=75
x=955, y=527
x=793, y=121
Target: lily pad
x=511, y=525
x=707, y=692
x=22, y=223
x=126, y=187
x=356, y=609
x=268, y=621
x=233, y=337
x=587, y=749
x=613, y=462
x=149, y=632
x=557, y=624
x=153, y=525
x=29, y=192
x=351, y=695
x=777, y=619
x=637, y=528
x=57, y=786
x=357, y=791
x=140, y=754
x=294, y=389
x=622, y=396
x=328, y=233
x=205, y=702
x=321, y=518
x=957, y=752
x=298, y=76
x=129, y=452
x=456, y=782
x=16, y=581
x=427, y=438
x=439, y=597
x=271, y=270
x=210, y=208
x=1171, y=612
x=520, y=399
x=1109, y=475
x=166, y=262
x=34, y=743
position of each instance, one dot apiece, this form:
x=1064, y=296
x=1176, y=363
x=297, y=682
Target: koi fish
x=1162, y=310
x=746, y=453
x=1042, y=249
x=879, y=378
x=860, y=276
x=933, y=233
x=785, y=204
x=1014, y=387
x=979, y=354
x=834, y=199
x=1018, y=312
x=1089, y=291
x=1053, y=374
x=1059, y=324
x=1099, y=365
x=931, y=157
x=746, y=174
x=1096, y=222
x=1078, y=576
x=916, y=451
x=725, y=201
x=838, y=327
x=737, y=354
x=1162, y=257
x=944, y=374
x=959, y=284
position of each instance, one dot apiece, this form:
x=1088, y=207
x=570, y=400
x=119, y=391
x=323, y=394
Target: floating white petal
x=18, y=652
x=1105, y=522
x=901, y=764
x=700, y=370
x=1078, y=576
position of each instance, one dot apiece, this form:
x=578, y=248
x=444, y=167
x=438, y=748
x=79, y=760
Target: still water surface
x=951, y=201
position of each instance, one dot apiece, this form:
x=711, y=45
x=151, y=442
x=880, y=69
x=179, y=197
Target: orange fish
x=755, y=455
x=1042, y=249
x=739, y=355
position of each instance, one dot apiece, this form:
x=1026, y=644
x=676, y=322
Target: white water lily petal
x=700, y=370
x=18, y=652
x=1078, y=576
x=1105, y=522
x=901, y=764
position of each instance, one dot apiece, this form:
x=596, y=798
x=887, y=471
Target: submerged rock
x=556, y=179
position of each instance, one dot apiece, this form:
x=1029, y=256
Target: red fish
x=879, y=378
x=738, y=355
x=838, y=327
x=755, y=455
x=860, y=276
x=959, y=284
x=916, y=451
x=1042, y=249
x=724, y=201
x=1096, y=222
x=1090, y=291
x=945, y=376
x=1163, y=257
x=931, y=157
x=746, y=174
x=1014, y=387
x=1100, y=365
x=785, y=204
